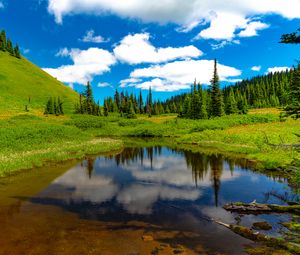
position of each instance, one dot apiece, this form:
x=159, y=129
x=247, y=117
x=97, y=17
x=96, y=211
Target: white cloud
x=1, y=5
x=222, y=44
x=252, y=28
x=86, y=64
x=136, y=49
x=223, y=26
x=104, y=85
x=63, y=52
x=178, y=75
x=92, y=38
x=256, y=68
x=277, y=69
x=225, y=18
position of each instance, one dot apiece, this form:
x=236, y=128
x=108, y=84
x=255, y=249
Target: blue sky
x=133, y=44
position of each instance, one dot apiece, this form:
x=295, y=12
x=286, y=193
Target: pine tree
x=89, y=100
x=130, y=111
x=9, y=47
x=105, y=108
x=231, y=104
x=293, y=108
x=3, y=41
x=117, y=100
x=186, y=111
x=49, y=109
x=60, y=106
x=203, y=103
x=140, y=102
x=17, y=51
x=216, y=94
x=195, y=103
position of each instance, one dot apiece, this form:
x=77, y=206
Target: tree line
x=7, y=45
x=279, y=89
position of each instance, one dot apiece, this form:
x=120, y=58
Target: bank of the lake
x=28, y=140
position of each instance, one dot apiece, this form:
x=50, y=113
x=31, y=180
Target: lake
x=152, y=200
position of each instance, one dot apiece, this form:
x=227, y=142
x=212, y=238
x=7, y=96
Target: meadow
x=30, y=140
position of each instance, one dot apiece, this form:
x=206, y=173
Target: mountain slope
x=23, y=83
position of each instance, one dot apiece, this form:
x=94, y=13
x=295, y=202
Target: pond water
x=114, y=204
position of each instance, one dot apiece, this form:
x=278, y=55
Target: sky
x=166, y=44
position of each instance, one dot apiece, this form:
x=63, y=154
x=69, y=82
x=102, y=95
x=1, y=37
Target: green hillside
x=21, y=82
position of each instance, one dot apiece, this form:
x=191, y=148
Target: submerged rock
x=147, y=238
x=263, y=225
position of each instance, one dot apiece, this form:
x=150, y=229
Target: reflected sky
x=176, y=190
x=140, y=180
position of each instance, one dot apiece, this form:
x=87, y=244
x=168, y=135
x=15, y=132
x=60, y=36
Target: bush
x=85, y=122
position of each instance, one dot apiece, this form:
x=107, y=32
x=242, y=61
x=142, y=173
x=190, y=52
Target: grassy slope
x=20, y=79
x=29, y=139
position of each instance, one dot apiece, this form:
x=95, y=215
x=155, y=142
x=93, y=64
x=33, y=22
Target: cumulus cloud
x=104, y=85
x=225, y=18
x=252, y=28
x=92, y=38
x=137, y=49
x=86, y=64
x=277, y=69
x=256, y=68
x=178, y=75
x=63, y=52
x=1, y=5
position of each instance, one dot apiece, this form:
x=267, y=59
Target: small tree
x=231, y=104
x=217, y=102
x=17, y=52
x=105, y=109
x=9, y=47
x=293, y=108
x=3, y=41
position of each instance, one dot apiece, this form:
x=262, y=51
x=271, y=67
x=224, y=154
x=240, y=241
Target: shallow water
x=105, y=205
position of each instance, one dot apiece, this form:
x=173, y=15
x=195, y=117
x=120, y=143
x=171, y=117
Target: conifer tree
x=130, y=114
x=149, y=103
x=60, y=106
x=117, y=99
x=186, y=111
x=140, y=102
x=105, y=108
x=3, y=41
x=17, y=51
x=293, y=108
x=9, y=47
x=89, y=100
x=217, y=103
x=203, y=103
x=231, y=104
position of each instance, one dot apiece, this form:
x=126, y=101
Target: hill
x=23, y=83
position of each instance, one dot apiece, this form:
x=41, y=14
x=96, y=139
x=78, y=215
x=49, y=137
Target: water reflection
x=156, y=186
x=138, y=180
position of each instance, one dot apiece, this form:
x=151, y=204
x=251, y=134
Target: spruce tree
x=105, y=108
x=217, y=103
x=140, y=102
x=293, y=108
x=117, y=100
x=231, y=104
x=186, y=111
x=9, y=47
x=17, y=51
x=89, y=100
x=60, y=106
x=203, y=103
x=3, y=41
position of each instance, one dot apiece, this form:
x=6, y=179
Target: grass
x=20, y=79
x=30, y=140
